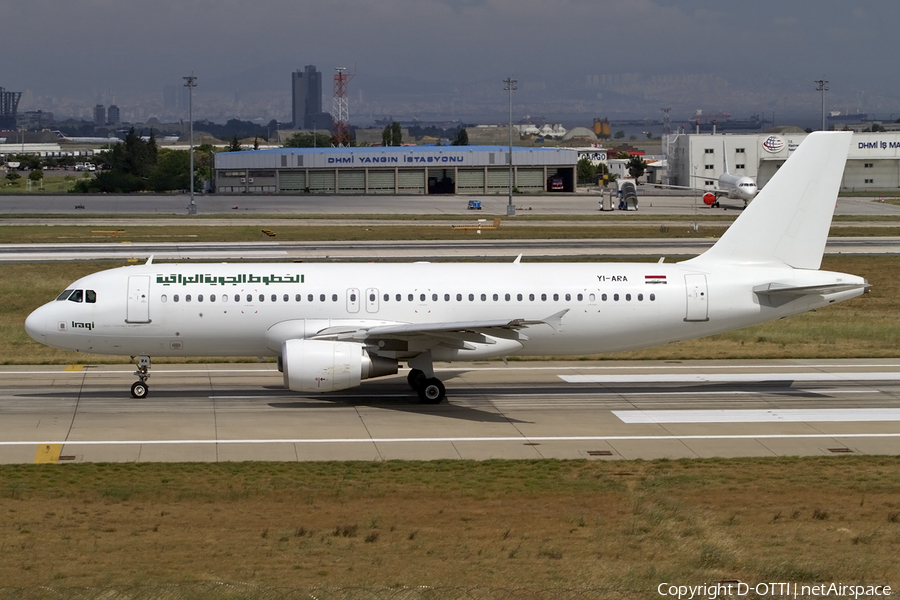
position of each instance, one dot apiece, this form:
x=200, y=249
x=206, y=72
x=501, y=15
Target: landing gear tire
x=432, y=391
x=139, y=389
x=415, y=378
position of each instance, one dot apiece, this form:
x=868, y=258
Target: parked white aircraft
x=730, y=185
x=333, y=325
x=88, y=140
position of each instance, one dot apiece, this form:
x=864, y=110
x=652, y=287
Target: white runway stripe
x=730, y=377
x=773, y=415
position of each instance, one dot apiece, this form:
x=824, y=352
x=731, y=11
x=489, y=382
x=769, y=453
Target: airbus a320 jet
x=331, y=326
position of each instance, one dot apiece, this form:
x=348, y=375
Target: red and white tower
x=340, y=108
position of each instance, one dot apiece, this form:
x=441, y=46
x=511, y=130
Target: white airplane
x=730, y=185
x=332, y=325
x=88, y=140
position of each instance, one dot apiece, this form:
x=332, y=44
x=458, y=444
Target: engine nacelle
x=709, y=198
x=322, y=366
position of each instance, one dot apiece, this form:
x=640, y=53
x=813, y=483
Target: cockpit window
x=64, y=296
x=90, y=296
x=77, y=296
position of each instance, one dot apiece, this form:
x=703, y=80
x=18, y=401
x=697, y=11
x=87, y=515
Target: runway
x=523, y=410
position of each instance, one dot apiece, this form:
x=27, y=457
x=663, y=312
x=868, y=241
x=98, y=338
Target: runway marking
x=577, y=438
x=730, y=377
x=77, y=368
x=47, y=453
x=773, y=415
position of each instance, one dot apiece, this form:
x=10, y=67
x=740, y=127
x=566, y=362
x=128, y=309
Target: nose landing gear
x=140, y=389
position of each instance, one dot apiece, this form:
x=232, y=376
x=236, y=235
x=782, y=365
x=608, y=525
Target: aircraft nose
x=35, y=327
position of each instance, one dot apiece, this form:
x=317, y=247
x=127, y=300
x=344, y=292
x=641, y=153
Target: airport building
x=697, y=160
x=395, y=170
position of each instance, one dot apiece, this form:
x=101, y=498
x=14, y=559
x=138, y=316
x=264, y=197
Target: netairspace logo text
x=779, y=589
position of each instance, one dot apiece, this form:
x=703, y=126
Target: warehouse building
x=395, y=170
x=697, y=160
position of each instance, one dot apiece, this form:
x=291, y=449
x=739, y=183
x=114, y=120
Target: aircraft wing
x=474, y=331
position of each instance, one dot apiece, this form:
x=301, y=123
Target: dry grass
x=622, y=525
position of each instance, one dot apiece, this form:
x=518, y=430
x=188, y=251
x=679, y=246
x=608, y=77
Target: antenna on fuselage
x=149, y=260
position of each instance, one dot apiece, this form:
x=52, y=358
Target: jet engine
x=709, y=199
x=323, y=366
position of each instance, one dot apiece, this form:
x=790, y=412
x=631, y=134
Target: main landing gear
x=140, y=389
x=429, y=389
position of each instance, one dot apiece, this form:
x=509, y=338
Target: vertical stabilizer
x=788, y=222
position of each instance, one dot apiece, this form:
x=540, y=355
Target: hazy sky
x=762, y=51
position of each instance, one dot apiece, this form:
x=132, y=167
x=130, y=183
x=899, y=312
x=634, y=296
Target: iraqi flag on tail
x=656, y=279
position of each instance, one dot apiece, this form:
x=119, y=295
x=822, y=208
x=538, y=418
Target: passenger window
x=459, y=297
x=224, y=297
x=352, y=297
x=298, y=298
x=65, y=295
x=321, y=297
x=309, y=298
x=199, y=297
x=531, y=297
x=568, y=297
x=387, y=297
x=421, y=297
x=652, y=297
x=274, y=298
x=640, y=297
x=483, y=297
x=399, y=297
x=519, y=297
x=591, y=297
x=187, y=297
x=90, y=296
x=163, y=298
x=212, y=297
x=496, y=297
x=262, y=298
x=544, y=297
x=371, y=297
x=628, y=297
x=334, y=297
x=603, y=297
x=249, y=297
x=446, y=297
x=579, y=297
x=471, y=297
x=175, y=298
x=616, y=297
x=434, y=297
x=555, y=297
x=237, y=297
x=77, y=296
x=507, y=297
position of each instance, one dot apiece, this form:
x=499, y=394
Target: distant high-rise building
x=99, y=115
x=306, y=92
x=112, y=115
x=9, y=104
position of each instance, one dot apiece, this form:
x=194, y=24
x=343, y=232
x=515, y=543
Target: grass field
x=55, y=182
x=862, y=327
x=624, y=526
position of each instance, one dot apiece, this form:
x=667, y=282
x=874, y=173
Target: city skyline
x=447, y=58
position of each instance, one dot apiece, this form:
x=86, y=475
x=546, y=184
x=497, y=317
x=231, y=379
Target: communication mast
x=340, y=107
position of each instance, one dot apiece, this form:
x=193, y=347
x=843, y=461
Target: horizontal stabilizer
x=776, y=289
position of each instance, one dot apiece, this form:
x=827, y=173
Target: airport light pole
x=822, y=86
x=510, y=86
x=190, y=83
